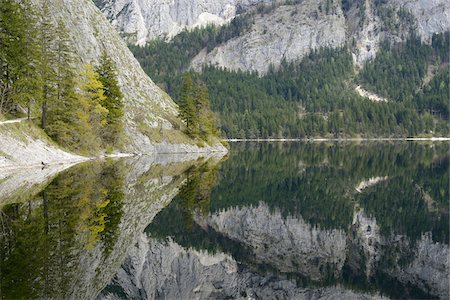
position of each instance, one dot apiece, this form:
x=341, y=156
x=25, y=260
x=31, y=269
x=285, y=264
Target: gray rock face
x=289, y=32
x=428, y=267
x=432, y=16
x=146, y=106
x=143, y=20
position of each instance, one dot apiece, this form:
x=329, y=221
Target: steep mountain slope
x=147, y=108
x=144, y=20
x=288, y=32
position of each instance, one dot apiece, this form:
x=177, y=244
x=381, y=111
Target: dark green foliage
x=441, y=46
x=398, y=70
x=435, y=95
x=194, y=108
x=113, y=102
x=310, y=98
x=62, y=122
x=314, y=97
x=187, y=108
x=18, y=55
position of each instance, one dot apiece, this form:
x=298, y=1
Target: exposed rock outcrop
x=24, y=145
x=289, y=244
x=142, y=20
x=288, y=32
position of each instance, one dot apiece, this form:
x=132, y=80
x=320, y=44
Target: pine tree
x=113, y=102
x=48, y=61
x=187, y=109
x=63, y=125
x=17, y=41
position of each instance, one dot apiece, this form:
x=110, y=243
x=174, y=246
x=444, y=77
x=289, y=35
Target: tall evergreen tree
x=63, y=125
x=48, y=61
x=17, y=53
x=113, y=102
x=187, y=108
x=205, y=116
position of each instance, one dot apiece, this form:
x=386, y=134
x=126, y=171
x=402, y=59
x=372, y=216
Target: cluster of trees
x=81, y=110
x=194, y=108
x=399, y=70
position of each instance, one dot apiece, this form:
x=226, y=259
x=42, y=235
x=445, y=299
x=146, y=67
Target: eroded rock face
x=144, y=20
x=427, y=265
x=289, y=32
x=432, y=16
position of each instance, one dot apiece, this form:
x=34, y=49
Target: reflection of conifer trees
x=195, y=194
x=317, y=182
x=80, y=209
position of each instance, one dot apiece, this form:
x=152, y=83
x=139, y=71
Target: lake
x=269, y=221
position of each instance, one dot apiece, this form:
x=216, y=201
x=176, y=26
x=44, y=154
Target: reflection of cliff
x=265, y=242
x=288, y=244
x=69, y=241
x=165, y=270
x=418, y=268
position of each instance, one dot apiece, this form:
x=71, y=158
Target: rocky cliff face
x=142, y=20
x=146, y=106
x=288, y=32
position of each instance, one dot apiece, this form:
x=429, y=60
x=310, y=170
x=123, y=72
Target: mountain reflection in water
x=273, y=221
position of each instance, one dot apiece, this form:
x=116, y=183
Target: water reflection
x=285, y=221
x=44, y=235
x=68, y=240
x=301, y=220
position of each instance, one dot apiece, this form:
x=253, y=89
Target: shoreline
x=64, y=162
x=407, y=139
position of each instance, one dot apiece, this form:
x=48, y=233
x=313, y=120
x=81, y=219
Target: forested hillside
x=399, y=70
x=314, y=96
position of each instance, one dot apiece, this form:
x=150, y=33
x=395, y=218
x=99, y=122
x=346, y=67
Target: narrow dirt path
x=13, y=121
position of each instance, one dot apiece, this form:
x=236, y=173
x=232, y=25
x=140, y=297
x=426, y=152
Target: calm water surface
x=270, y=221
